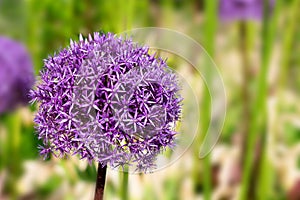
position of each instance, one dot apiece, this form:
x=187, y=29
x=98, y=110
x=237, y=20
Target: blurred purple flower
x=107, y=99
x=230, y=10
x=16, y=74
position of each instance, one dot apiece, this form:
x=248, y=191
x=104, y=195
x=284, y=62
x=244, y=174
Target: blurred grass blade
x=258, y=114
x=265, y=184
x=210, y=25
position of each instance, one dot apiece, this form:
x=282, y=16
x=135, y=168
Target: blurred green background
x=258, y=153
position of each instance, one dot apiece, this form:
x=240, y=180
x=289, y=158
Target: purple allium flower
x=108, y=100
x=16, y=74
x=230, y=10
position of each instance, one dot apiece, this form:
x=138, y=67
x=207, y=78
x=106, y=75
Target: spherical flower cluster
x=108, y=100
x=16, y=74
x=230, y=10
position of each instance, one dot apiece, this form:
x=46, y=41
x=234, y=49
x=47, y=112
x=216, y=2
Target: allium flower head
x=230, y=10
x=16, y=74
x=108, y=100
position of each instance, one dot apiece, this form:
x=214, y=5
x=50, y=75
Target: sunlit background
x=258, y=153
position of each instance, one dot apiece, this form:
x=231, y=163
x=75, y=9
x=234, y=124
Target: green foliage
x=88, y=174
x=50, y=186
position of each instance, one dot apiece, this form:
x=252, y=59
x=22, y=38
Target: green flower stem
x=289, y=33
x=33, y=33
x=13, y=159
x=258, y=114
x=245, y=48
x=209, y=34
x=100, y=182
x=124, y=188
x=68, y=17
x=265, y=183
x=246, y=74
x=211, y=8
x=130, y=6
